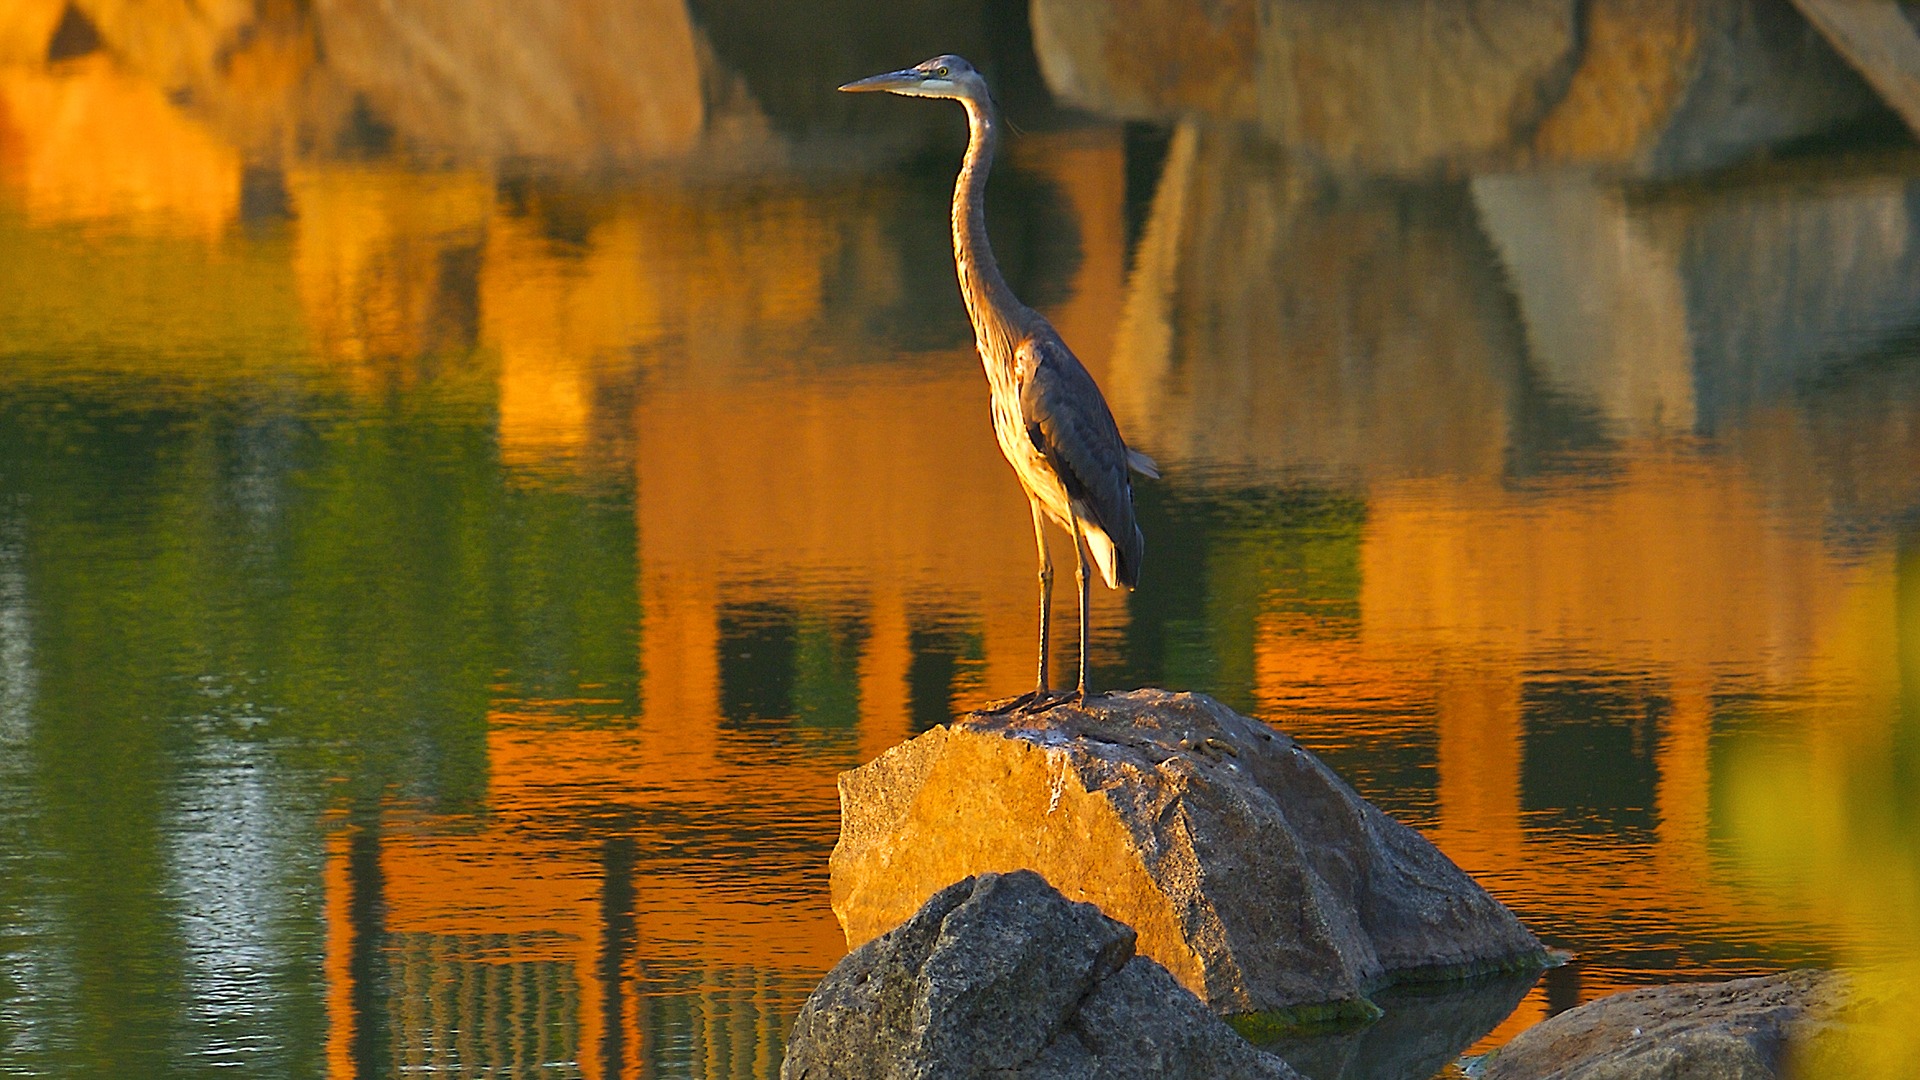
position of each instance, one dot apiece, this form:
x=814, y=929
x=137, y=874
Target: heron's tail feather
x=1142, y=464
x=1119, y=566
x=1104, y=556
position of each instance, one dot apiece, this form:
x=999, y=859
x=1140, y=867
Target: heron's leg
x=1086, y=595
x=1046, y=594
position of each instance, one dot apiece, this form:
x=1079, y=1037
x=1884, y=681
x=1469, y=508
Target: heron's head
x=941, y=77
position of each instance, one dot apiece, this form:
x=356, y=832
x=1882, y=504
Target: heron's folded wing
x=1069, y=423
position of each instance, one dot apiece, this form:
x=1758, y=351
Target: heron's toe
x=1017, y=703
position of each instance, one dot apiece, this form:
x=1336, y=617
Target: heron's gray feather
x=1069, y=423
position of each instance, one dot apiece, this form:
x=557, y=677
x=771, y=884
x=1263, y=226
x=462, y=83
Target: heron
x=1049, y=416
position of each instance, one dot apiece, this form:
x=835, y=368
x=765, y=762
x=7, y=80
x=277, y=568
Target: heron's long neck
x=990, y=304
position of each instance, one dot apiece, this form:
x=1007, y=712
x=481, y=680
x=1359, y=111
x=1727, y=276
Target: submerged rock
x=1001, y=975
x=1739, y=1030
x=1252, y=872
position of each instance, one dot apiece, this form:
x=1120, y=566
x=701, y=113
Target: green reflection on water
x=1291, y=554
x=346, y=588
x=266, y=571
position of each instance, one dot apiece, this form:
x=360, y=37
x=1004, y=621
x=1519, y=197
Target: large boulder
x=1251, y=871
x=1001, y=975
x=1739, y=1030
x=1648, y=87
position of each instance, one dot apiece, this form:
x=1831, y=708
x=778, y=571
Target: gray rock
x=1249, y=870
x=1739, y=1030
x=999, y=975
x=1880, y=41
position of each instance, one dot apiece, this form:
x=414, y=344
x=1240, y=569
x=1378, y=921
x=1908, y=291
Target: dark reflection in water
x=1420, y=1035
x=453, y=530
x=367, y=1001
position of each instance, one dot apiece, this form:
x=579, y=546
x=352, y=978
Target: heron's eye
x=940, y=71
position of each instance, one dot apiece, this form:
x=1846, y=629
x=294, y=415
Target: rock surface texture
x=1251, y=871
x=1000, y=975
x=1647, y=87
x=1739, y=1030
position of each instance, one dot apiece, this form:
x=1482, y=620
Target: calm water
x=443, y=569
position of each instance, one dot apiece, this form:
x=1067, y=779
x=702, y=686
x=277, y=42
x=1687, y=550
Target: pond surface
x=439, y=589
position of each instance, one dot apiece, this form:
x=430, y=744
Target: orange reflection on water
x=386, y=259
x=1672, y=574
x=561, y=911
x=870, y=492
x=788, y=465
x=83, y=141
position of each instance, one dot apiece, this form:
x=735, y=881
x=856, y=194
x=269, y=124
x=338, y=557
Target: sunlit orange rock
x=578, y=84
x=1665, y=88
x=1396, y=87
x=1150, y=58
x=1377, y=85
x=1249, y=870
x=86, y=142
x=251, y=71
x=1648, y=86
x=1632, y=73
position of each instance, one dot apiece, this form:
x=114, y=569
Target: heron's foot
x=1057, y=698
x=1017, y=703
x=1053, y=699
x=1033, y=701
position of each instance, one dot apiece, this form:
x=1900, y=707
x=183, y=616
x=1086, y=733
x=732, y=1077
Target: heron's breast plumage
x=1032, y=467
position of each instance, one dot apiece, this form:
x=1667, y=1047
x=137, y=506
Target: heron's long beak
x=892, y=80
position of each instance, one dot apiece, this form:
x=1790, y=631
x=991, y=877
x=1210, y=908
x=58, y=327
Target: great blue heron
x=1049, y=417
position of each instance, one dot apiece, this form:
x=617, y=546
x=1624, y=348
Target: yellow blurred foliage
x=1824, y=808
